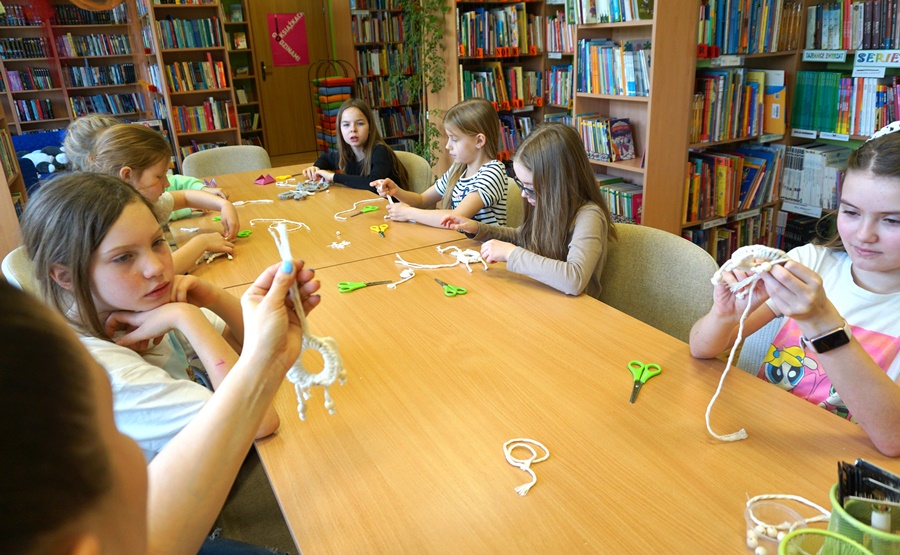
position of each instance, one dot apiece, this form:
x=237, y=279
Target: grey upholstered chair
x=514, y=204
x=19, y=271
x=226, y=159
x=418, y=170
x=659, y=278
x=756, y=346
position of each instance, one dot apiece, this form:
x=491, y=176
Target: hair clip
x=886, y=130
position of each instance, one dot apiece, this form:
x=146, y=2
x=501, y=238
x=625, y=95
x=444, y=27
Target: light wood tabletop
x=256, y=252
x=412, y=461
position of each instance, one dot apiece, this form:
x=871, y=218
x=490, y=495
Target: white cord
x=406, y=274
x=340, y=218
x=826, y=515
x=274, y=223
x=243, y=202
x=525, y=464
x=466, y=257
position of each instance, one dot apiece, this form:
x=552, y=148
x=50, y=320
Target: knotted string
x=466, y=257
x=406, y=274
x=525, y=464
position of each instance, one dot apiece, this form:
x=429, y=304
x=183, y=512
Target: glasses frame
x=528, y=191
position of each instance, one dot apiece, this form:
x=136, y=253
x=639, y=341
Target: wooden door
x=285, y=90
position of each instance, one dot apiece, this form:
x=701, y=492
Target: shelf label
x=824, y=56
x=868, y=71
x=834, y=136
x=554, y=55
x=727, y=61
x=803, y=133
x=746, y=214
x=714, y=223
x=769, y=137
x=802, y=209
x=879, y=58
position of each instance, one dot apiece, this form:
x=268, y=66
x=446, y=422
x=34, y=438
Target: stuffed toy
x=50, y=159
x=59, y=156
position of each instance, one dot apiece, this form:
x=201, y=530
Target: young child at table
x=562, y=240
x=140, y=156
x=362, y=155
x=73, y=483
x=839, y=341
x=83, y=132
x=474, y=186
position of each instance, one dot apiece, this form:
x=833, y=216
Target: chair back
x=19, y=271
x=515, y=209
x=225, y=159
x=756, y=346
x=659, y=278
x=418, y=171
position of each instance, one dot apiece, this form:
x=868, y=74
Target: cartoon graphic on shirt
x=834, y=404
x=790, y=369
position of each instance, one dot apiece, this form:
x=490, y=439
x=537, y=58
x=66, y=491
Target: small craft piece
x=264, y=179
x=525, y=464
x=210, y=256
x=466, y=257
x=190, y=229
x=211, y=182
x=326, y=346
x=406, y=274
x=341, y=245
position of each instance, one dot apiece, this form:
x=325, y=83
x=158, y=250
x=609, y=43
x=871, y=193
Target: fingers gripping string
x=525, y=464
x=333, y=366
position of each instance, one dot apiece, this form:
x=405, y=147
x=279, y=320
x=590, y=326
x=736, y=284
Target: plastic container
x=813, y=541
x=765, y=519
x=852, y=521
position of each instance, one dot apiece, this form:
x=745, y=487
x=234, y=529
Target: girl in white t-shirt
x=838, y=346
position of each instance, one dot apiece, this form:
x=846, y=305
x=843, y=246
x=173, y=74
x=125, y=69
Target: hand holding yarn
x=230, y=221
x=797, y=292
x=385, y=187
x=310, y=173
x=496, y=251
x=458, y=223
x=399, y=211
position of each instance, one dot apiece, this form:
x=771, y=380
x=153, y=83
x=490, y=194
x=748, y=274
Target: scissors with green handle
x=365, y=209
x=379, y=229
x=451, y=290
x=641, y=372
x=347, y=286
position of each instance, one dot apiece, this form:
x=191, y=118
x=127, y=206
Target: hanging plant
x=421, y=69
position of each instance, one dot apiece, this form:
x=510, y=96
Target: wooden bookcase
x=243, y=71
x=11, y=178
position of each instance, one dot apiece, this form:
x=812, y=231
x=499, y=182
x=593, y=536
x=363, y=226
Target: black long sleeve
x=382, y=167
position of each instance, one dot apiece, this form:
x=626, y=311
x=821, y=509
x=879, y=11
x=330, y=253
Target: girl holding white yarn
x=473, y=187
x=562, y=240
x=840, y=339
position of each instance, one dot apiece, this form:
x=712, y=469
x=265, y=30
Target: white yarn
x=744, y=258
x=210, y=256
x=525, y=464
x=826, y=514
x=190, y=229
x=340, y=218
x=274, y=222
x=341, y=245
x=406, y=274
x=243, y=202
x=466, y=257
x=333, y=366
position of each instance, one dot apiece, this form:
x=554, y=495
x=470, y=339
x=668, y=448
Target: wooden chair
x=515, y=204
x=225, y=159
x=418, y=169
x=658, y=278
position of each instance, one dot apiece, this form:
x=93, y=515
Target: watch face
x=831, y=341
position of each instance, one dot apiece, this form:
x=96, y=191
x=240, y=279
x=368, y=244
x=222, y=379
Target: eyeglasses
x=529, y=192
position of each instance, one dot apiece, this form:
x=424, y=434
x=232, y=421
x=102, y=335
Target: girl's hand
x=193, y=290
x=798, y=293
x=385, y=187
x=326, y=175
x=727, y=305
x=310, y=173
x=458, y=223
x=145, y=326
x=230, y=221
x=496, y=251
x=215, y=191
x=272, y=332
x=399, y=212
x=214, y=242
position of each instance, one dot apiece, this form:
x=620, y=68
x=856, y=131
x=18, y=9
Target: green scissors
x=347, y=286
x=379, y=229
x=641, y=372
x=365, y=209
x=451, y=290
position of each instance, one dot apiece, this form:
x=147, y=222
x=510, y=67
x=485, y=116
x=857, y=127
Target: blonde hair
x=472, y=117
x=345, y=151
x=127, y=144
x=81, y=136
x=63, y=224
x=563, y=182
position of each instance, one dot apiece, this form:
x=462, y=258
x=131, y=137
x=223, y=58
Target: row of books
x=722, y=241
x=564, y=118
x=34, y=109
x=189, y=33
x=18, y=48
x=376, y=5
x=196, y=76
x=608, y=67
x=832, y=102
x=513, y=130
x=376, y=27
x=395, y=122
x=18, y=15
x=185, y=2
x=730, y=104
x=248, y=121
x=721, y=182
x=254, y=140
x=70, y=46
x=559, y=84
x=211, y=115
x=859, y=25
x=624, y=200
x=29, y=79
x=96, y=76
x=65, y=14
x=612, y=11
x=378, y=91
x=749, y=26
x=115, y=104
x=797, y=231
x=560, y=34
x=502, y=31
x=605, y=138
x=383, y=60
x=194, y=146
x=510, y=87
x=814, y=173
x=8, y=154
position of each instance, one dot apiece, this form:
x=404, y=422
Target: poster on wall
x=287, y=39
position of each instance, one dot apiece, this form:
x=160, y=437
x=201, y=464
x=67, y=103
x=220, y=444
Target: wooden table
x=254, y=253
x=412, y=462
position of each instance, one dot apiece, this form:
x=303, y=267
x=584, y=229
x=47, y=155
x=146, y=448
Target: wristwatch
x=829, y=340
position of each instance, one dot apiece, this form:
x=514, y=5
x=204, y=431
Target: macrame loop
x=406, y=274
x=783, y=526
x=525, y=464
x=274, y=223
x=466, y=257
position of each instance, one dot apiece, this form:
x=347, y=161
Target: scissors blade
x=383, y=282
x=636, y=390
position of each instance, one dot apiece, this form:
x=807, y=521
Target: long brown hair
x=127, y=144
x=471, y=117
x=63, y=224
x=345, y=151
x=563, y=182
x=81, y=135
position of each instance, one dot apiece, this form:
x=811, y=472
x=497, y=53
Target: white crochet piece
x=755, y=259
x=406, y=274
x=466, y=257
x=326, y=346
x=525, y=464
x=210, y=256
x=341, y=245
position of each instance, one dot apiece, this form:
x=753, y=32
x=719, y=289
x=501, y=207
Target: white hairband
x=886, y=130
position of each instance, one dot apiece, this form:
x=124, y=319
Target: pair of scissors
x=451, y=290
x=365, y=209
x=641, y=372
x=379, y=229
x=347, y=286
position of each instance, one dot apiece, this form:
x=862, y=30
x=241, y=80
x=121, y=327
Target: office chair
x=515, y=204
x=418, y=170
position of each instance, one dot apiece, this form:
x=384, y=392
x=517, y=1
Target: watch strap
x=829, y=340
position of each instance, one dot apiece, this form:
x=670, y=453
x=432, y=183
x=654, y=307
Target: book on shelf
x=240, y=40
x=621, y=139
x=237, y=13
x=241, y=95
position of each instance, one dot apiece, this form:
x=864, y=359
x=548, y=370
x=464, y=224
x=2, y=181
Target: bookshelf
x=377, y=30
x=187, y=61
x=560, y=67
x=12, y=201
x=239, y=38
